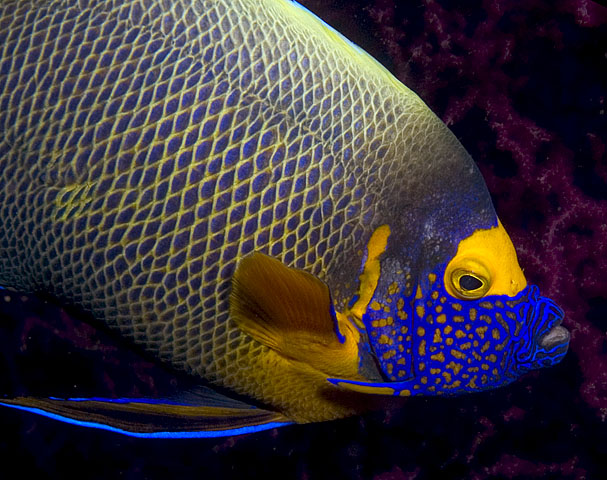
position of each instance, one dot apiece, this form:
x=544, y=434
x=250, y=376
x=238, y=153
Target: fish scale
x=147, y=146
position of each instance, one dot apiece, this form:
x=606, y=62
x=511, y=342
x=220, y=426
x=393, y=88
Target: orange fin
x=285, y=309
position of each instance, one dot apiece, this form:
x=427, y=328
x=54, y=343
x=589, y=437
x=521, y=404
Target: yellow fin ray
x=291, y=312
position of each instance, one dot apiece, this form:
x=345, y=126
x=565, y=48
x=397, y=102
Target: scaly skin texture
x=145, y=147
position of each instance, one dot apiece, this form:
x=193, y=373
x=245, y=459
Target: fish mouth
x=555, y=336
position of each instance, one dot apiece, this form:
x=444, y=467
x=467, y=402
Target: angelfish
x=254, y=200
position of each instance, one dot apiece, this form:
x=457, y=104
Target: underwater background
x=524, y=87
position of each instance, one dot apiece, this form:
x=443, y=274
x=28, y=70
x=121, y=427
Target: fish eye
x=469, y=285
x=469, y=282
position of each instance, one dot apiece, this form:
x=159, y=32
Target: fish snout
x=555, y=334
x=553, y=338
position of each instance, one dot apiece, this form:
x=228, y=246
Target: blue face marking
x=434, y=344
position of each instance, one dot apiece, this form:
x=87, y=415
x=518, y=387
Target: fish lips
x=552, y=338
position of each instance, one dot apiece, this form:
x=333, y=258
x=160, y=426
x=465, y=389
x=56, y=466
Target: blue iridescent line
x=197, y=434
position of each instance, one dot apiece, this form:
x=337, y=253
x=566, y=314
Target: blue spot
x=260, y=182
x=205, y=210
x=203, y=150
x=208, y=188
x=245, y=171
x=280, y=211
x=223, y=201
x=249, y=148
x=262, y=160
x=190, y=197
x=198, y=114
x=311, y=197
x=226, y=122
x=221, y=144
x=290, y=241
x=241, y=193
x=209, y=127
x=200, y=231
x=196, y=251
x=237, y=214
x=284, y=188
x=266, y=218
x=263, y=238
x=237, y=134
x=250, y=226
x=325, y=187
x=232, y=156
x=184, y=160
x=160, y=92
x=278, y=231
x=214, y=165
x=254, y=204
x=134, y=232
x=337, y=190
x=269, y=196
x=174, y=145
x=300, y=184
x=267, y=139
x=167, y=167
x=215, y=107
x=304, y=162
x=233, y=98
x=226, y=180
x=178, y=182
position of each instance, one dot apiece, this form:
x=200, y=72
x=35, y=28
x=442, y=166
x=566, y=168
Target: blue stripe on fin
x=196, y=434
x=150, y=418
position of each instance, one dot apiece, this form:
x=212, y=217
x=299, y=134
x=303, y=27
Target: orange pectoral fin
x=291, y=312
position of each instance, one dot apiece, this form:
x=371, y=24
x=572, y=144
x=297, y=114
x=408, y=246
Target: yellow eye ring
x=469, y=285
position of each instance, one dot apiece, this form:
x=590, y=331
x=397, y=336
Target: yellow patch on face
x=437, y=336
x=439, y=357
x=371, y=272
x=480, y=331
x=489, y=256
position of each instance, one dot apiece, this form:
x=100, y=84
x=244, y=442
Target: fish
x=252, y=199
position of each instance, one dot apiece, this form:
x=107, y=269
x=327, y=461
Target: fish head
x=470, y=323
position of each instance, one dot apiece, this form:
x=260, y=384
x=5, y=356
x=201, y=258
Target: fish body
x=254, y=200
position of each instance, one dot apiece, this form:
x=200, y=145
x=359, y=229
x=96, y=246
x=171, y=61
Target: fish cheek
x=460, y=345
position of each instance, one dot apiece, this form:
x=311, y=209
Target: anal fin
x=200, y=416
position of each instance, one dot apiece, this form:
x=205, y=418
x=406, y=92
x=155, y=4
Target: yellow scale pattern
x=148, y=145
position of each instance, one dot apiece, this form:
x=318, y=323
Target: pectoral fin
x=199, y=416
x=277, y=305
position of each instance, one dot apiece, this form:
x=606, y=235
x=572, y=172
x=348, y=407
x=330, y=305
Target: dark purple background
x=523, y=85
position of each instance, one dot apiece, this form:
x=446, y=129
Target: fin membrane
x=285, y=309
x=199, y=416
